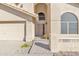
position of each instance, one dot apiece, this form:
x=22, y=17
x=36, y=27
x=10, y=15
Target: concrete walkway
x=40, y=48
x=13, y=48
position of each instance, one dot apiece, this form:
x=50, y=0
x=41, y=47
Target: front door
x=39, y=29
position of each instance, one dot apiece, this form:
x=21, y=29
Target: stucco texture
x=57, y=39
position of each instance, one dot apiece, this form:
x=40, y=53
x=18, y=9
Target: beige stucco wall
x=26, y=6
x=30, y=30
x=48, y=20
x=57, y=42
x=7, y=16
x=15, y=31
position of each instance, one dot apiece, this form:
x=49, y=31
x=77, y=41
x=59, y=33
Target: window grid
x=67, y=23
x=41, y=16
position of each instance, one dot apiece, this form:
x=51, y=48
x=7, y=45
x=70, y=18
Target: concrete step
x=40, y=47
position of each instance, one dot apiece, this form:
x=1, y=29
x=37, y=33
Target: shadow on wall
x=45, y=46
x=15, y=12
x=74, y=4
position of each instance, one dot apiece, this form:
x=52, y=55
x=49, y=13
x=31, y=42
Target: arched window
x=69, y=23
x=41, y=16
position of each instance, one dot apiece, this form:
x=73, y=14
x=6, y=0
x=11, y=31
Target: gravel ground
x=39, y=48
x=12, y=48
x=70, y=53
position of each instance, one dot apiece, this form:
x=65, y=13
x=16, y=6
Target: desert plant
x=45, y=36
x=24, y=45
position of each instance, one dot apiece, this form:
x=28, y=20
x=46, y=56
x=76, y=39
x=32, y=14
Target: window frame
x=41, y=16
x=68, y=26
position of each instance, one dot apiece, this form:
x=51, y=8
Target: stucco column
x=78, y=26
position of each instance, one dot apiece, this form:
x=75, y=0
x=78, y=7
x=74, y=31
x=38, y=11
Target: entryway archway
x=40, y=26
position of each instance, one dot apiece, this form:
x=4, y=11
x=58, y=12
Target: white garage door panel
x=13, y=31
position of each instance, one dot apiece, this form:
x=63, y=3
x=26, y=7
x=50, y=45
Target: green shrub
x=25, y=45
x=45, y=36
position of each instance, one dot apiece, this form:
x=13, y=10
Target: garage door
x=12, y=30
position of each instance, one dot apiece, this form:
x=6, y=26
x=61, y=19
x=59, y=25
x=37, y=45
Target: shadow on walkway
x=45, y=46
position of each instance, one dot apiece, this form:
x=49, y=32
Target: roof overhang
x=21, y=10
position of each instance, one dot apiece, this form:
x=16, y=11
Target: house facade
x=64, y=27
x=59, y=21
x=25, y=21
